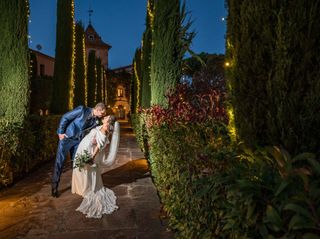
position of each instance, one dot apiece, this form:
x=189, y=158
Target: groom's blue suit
x=75, y=124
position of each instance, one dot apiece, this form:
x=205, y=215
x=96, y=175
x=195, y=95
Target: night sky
x=121, y=23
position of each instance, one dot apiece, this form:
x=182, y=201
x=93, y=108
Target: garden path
x=27, y=209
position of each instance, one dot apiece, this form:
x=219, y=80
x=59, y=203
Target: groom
x=72, y=128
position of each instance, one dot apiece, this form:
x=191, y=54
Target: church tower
x=94, y=42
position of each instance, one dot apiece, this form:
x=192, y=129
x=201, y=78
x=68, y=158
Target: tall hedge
x=99, y=80
x=80, y=74
x=14, y=63
x=273, y=50
x=64, y=58
x=146, y=58
x=91, y=75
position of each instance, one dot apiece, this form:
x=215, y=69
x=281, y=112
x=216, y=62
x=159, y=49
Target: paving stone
x=76, y=221
x=77, y=235
x=119, y=234
x=154, y=235
x=120, y=191
x=124, y=218
x=125, y=203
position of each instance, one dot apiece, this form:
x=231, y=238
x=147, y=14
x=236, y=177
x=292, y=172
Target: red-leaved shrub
x=185, y=106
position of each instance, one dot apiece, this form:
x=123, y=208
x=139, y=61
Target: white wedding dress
x=87, y=181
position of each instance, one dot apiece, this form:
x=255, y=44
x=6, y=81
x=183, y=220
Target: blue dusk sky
x=121, y=23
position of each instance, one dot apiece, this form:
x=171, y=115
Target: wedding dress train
x=87, y=181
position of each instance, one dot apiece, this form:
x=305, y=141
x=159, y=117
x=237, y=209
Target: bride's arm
x=97, y=146
x=95, y=152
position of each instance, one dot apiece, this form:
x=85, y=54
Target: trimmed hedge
x=140, y=130
x=14, y=63
x=23, y=148
x=273, y=53
x=183, y=161
x=212, y=189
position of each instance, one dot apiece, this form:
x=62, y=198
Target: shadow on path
x=127, y=173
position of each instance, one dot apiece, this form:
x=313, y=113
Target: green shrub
x=211, y=189
x=23, y=148
x=139, y=126
x=183, y=161
x=274, y=196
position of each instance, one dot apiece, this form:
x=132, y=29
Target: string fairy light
x=96, y=83
x=71, y=81
x=85, y=70
x=138, y=84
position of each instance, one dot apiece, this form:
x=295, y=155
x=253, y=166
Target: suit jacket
x=77, y=122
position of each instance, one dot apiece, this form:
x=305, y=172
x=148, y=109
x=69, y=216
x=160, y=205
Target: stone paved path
x=28, y=211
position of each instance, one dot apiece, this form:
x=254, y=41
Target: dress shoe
x=54, y=192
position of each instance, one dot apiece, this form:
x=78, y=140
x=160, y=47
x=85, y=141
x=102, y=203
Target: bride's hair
x=112, y=120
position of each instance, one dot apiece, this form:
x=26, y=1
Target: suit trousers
x=65, y=146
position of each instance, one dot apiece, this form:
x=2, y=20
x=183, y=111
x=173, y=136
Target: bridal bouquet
x=82, y=159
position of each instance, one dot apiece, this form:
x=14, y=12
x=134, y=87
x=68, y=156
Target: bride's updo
x=112, y=120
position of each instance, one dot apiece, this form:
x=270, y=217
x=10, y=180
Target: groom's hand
x=62, y=136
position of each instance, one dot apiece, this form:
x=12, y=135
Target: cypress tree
x=62, y=98
x=170, y=40
x=91, y=75
x=99, y=80
x=273, y=50
x=111, y=88
x=294, y=89
x=14, y=63
x=250, y=70
x=146, y=58
x=80, y=76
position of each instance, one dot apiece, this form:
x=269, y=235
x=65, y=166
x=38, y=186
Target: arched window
x=91, y=37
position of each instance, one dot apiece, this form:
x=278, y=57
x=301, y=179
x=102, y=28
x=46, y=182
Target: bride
x=87, y=181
